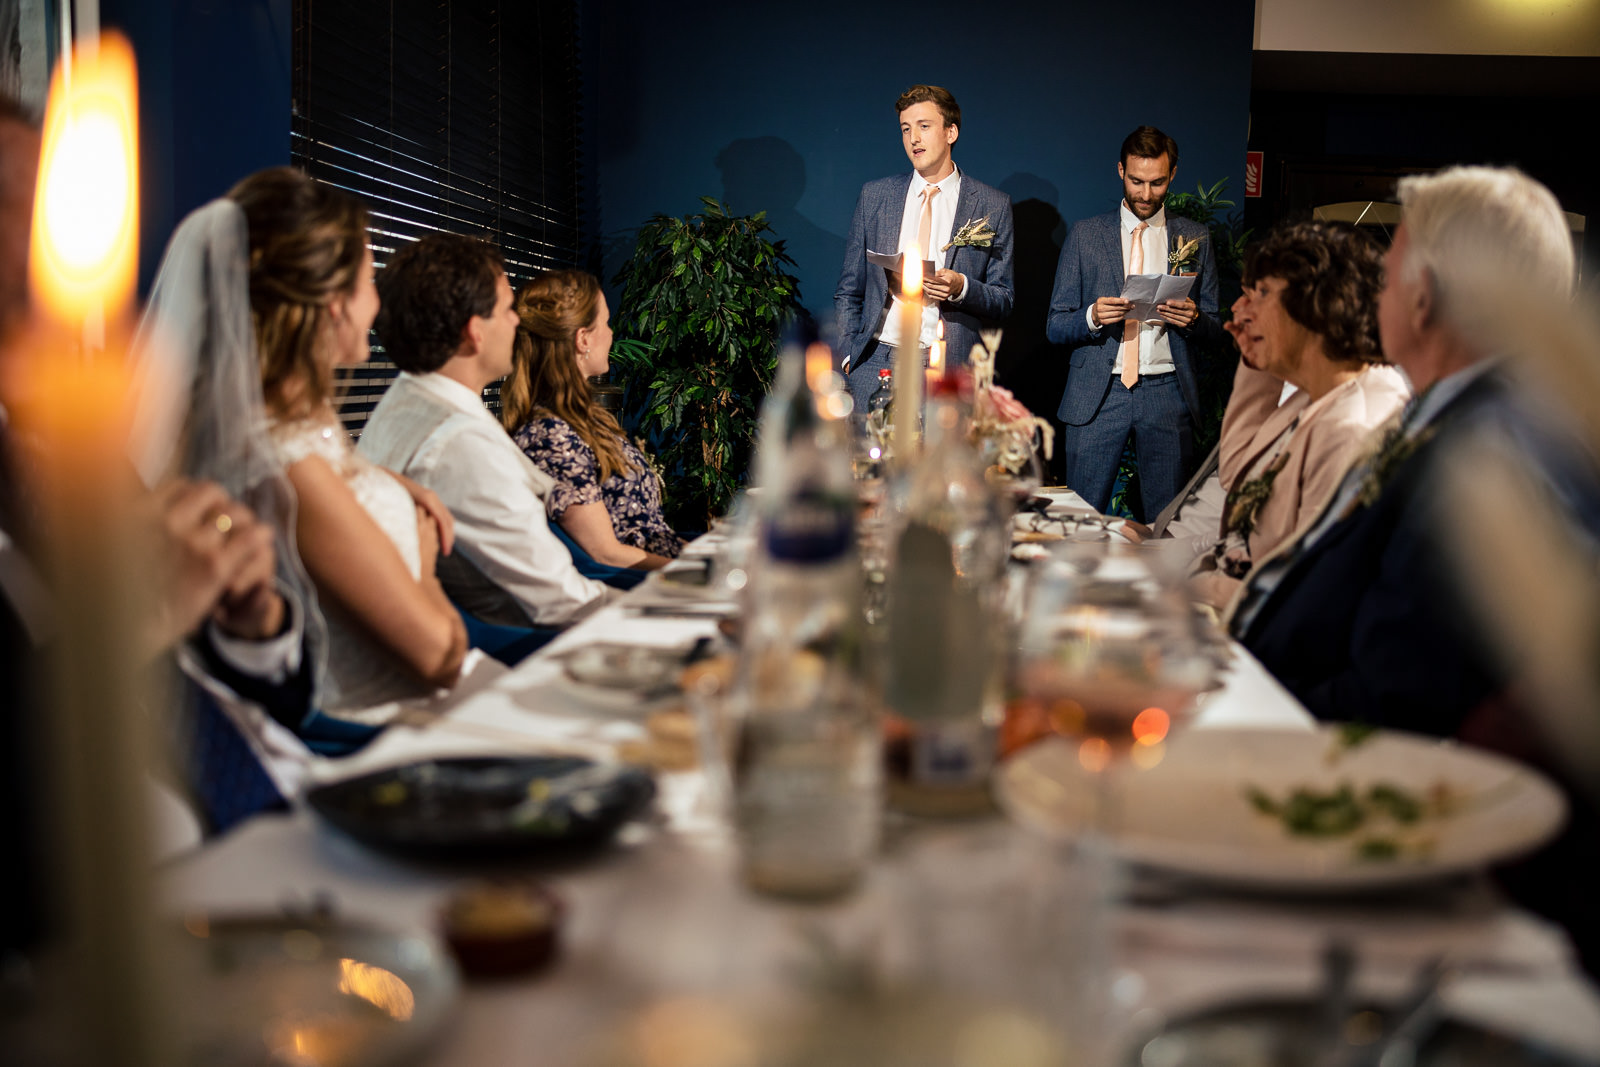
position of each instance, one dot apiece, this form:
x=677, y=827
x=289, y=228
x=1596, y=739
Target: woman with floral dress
x=606, y=497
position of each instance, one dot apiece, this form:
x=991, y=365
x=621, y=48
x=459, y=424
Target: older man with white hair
x=1366, y=615
x=1359, y=616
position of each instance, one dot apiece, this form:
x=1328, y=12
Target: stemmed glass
x=1108, y=655
x=1107, y=661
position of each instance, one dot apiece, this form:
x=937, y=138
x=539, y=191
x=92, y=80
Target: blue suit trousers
x=1147, y=414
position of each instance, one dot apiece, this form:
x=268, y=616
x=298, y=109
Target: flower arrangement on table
x=1003, y=429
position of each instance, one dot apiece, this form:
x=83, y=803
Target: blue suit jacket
x=862, y=298
x=1091, y=267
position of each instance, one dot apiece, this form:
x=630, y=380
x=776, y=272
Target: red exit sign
x=1252, y=173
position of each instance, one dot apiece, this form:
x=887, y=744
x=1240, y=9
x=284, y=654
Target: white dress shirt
x=1155, y=353
x=438, y=432
x=939, y=233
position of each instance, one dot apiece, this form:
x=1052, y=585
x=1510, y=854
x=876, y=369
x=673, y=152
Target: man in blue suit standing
x=961, y=224
x=1132, y=379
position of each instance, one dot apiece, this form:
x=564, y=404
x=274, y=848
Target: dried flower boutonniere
x=974, y=233
x=1390, y=456
x=1184, y=253
x=1246, y=500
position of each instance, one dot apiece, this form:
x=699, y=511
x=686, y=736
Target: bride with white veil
x=260, y=296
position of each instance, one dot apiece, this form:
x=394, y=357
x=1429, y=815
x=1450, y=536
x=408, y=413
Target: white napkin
x=1467, y=926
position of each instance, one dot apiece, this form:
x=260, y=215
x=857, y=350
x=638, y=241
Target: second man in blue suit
x=1127, y=379
x=936, y=205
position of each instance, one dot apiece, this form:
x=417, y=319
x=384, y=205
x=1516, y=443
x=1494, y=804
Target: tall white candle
x=908, y=356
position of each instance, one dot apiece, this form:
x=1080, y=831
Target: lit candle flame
x=85, y=240
x=911, y=273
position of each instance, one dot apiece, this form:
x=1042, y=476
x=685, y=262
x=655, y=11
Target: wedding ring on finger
x=223, y=523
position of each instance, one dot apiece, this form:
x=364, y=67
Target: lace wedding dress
x=363, y=679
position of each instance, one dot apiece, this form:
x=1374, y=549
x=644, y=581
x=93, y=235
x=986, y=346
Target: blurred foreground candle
x=81, y=275
x=908, y=357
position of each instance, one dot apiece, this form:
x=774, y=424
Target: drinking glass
x=1011, y=461
x=1108, y=655
x=1108, y=661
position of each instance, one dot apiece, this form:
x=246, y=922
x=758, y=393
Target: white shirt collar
x=951, y=180
x=451, y=392
x=1445, y=390
x=1130, y=220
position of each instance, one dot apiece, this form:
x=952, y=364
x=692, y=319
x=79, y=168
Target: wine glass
x=1011, y=460
x=1107, y=663
x=1108, y=655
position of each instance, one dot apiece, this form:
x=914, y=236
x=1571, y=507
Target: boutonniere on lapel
x=1391, y=454
x=1245, y=501
x=974, y=233
x=1185, y=251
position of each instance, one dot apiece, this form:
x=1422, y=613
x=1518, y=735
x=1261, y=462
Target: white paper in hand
x=1148, y=290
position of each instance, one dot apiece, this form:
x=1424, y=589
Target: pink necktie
x=925, y=227
x=1130, y=327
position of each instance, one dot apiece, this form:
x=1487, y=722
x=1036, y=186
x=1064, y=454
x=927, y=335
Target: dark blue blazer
x=1369, y=624
x=862, y=298
x=1091, y=267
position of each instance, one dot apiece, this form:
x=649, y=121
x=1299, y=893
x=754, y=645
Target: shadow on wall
x=1028, y=364
x=767, y=174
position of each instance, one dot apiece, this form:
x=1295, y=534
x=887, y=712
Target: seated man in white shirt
x=447, y=322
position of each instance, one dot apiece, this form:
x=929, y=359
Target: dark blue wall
x=214, y=101
x=790, y=108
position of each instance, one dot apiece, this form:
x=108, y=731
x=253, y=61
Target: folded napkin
x=1467, y=924
x=492, y=712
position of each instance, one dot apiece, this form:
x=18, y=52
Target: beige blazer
x=1332, y=435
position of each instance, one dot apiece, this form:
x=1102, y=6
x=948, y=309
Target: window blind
x=442, y=116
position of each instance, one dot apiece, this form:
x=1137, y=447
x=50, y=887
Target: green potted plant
x=704, y=301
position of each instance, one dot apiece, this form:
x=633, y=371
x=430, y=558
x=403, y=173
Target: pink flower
x=1006, y=406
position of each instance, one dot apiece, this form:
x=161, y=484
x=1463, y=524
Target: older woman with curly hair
x=1308, y=317
x=606, y=496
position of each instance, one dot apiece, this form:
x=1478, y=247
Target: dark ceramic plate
x=474, y=806
x=1293, y=1033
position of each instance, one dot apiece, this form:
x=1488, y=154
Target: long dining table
x=661, y=917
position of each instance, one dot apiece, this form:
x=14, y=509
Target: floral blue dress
x=633, y=500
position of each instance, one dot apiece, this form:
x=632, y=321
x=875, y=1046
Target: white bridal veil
x=200, y=412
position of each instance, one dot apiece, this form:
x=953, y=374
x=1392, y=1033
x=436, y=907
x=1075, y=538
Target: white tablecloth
x=663, y=916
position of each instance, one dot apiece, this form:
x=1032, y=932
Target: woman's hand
x=209, y=556
x=428, y=501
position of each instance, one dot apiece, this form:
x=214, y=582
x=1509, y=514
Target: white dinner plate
x=1192, y=813
x=688, y=578
x=620, y=677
